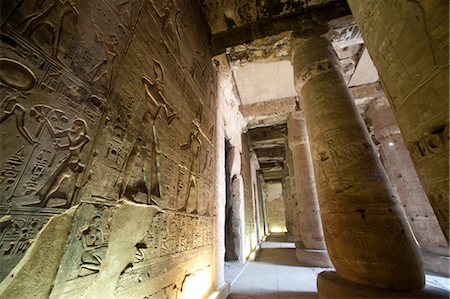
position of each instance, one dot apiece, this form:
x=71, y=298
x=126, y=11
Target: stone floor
x=275, y=274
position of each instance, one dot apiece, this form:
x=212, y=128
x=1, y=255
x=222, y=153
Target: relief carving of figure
x=92, y=239
x=194, y=144
x=53, y=16
x=145, y=145
x=21, y=79
x=70, y=166
x=109, y=43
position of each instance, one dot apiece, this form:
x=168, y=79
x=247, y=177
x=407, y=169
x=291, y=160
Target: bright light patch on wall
x=197, y=285
x=391, y=143
x=277, y=229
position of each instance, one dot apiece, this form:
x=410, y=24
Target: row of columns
x=368, y=238
x=409, y=45
x=403, y=177
x=310, y=250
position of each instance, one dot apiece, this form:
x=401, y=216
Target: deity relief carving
x=51, y=19
x=169, y=24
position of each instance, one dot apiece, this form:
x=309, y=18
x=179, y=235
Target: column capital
x=311, y=56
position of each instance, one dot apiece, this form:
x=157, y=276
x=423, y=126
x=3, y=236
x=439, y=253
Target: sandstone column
x=408, y=42
x=403, y=176
x=367, y=237
x=291, y=194
x=311, y=251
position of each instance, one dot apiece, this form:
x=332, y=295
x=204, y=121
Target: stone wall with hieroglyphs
x=102, y=100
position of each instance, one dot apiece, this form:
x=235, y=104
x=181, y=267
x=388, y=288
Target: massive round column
x=409, y=45
x=367, y=237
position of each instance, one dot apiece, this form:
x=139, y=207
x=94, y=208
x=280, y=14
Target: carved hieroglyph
x=87, y=116
x=408, y=43
x=356, y=203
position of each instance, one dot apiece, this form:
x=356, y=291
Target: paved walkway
x=275, y=274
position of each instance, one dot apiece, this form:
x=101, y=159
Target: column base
x=313, y=258
x=292, y=238
x=330, y=285
x=436, y=260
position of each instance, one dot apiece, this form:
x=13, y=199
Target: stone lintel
x=267, y=135
x=303, y=21
x=276, y=153
x=267, y=108
x=372, y=90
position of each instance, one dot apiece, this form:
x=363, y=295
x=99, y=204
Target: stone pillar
x=262, y=185
x=287, y=203
x=408, y=42
x=235, y=228
x=367, y=237
x=291, y=194
x=403, y=176
x=310, y=252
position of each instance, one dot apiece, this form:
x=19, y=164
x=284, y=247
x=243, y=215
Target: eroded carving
x=21, y=79
x=192, y=200
x=51, y=20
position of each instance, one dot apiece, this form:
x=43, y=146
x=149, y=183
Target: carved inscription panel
x=97, y=105
x=58, y=60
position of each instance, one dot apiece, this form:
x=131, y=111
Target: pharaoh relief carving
x=192, y=201
x=140, y=179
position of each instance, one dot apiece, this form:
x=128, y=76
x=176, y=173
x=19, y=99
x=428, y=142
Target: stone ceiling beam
x=270, y=154
x=304, y=20
x=372, y=90
x=268, y=108
x=268, y=136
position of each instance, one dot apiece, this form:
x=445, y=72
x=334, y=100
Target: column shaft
x=305, y=184
x=408, y=42
x=403, y=176
x=292, y=194
x=367, y=238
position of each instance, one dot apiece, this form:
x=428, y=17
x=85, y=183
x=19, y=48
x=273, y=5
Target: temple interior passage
x=212, y=149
